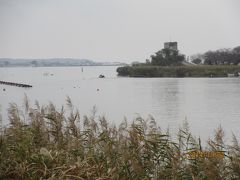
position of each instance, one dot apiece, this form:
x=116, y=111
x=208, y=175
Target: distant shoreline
x=55, y=62
x=57, y=66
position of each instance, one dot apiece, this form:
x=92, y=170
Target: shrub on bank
x=178, y=71
x=47, y=143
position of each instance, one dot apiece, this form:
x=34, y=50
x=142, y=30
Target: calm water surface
x=205, y=103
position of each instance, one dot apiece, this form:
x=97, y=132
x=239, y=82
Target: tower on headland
x=171, y=46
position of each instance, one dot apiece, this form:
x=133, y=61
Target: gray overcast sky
x=115, y=30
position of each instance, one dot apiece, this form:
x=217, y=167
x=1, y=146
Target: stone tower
x=171, y=46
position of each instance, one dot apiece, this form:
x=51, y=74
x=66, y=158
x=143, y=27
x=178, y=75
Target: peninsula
x=168, y=62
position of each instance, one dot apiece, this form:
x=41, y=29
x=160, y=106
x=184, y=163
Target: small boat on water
x=230, y=75
x=237, y=74
x=101, y=76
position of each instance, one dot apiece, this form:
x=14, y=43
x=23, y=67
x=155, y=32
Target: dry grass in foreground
x=50, y=144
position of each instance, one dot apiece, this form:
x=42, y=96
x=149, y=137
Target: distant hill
x=53, y=62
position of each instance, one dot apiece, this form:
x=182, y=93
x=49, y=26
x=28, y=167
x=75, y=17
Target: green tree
x=222, y=56
x=197, y=61
x=167, y=57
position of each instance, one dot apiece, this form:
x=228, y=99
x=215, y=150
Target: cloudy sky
x=115, y=30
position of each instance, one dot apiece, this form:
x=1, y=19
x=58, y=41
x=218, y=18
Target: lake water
x=205, y=103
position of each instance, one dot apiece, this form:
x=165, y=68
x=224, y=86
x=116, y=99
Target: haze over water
x=204, y=102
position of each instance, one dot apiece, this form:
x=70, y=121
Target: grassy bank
x=178, y=71
x=42, y=142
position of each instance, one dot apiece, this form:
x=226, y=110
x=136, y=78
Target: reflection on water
x=204, y=102
x=166, y=91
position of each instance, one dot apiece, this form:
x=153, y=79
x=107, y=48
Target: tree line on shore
x=218, y=57
x=168, y=57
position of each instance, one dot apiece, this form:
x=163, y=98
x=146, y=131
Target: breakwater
x=16, y=84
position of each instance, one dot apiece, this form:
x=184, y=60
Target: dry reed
x=46, y=143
